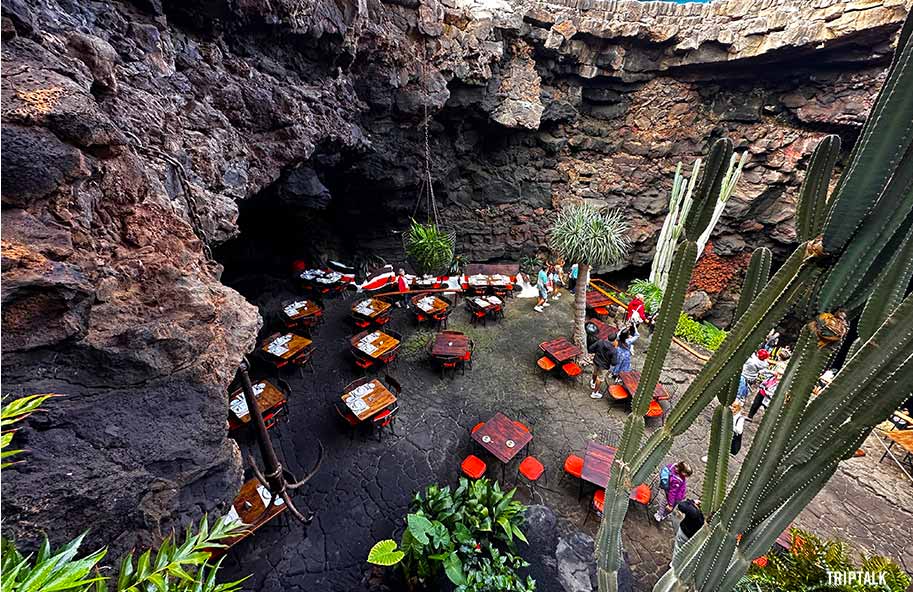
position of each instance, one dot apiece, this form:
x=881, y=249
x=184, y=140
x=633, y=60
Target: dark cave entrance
x=321, y=211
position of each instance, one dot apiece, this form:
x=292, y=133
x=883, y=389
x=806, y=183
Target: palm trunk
x=583, y=283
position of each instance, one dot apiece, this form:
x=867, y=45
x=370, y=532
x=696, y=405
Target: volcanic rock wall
x=131, y=130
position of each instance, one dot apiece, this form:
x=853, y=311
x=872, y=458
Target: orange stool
x=573, y=465
x=618, y=392
x=532, y=469
x=522, y=426
x=601, y=311
x=571, y=369
x=546, y=363
x=473, y=466
x=597, y=505
x=655, y=410
x=477, y=427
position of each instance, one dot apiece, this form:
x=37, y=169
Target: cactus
x=866, y=244
x=812, y=205
x=681, y=204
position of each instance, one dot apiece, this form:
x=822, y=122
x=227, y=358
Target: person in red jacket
x=636, y=306
x=402, y=285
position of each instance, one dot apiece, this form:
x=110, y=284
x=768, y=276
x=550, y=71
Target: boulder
x=697, y=304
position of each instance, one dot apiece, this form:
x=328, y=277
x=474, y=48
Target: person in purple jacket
x=677, y=487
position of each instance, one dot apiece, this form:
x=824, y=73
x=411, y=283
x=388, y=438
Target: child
x=673, y=480
x=738, y=426
x=542, y=287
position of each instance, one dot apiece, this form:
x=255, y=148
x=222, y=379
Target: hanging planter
x=429, y=249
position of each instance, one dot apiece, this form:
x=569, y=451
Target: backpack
x=664, y=475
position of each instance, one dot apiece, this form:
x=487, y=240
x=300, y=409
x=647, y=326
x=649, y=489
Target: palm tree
x=589, y=237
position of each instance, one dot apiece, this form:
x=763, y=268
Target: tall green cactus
x=799, y=443
x=812, y=206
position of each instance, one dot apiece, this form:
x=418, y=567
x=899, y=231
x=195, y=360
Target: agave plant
x=852, y=242
x=590, y=237
x=429, y=248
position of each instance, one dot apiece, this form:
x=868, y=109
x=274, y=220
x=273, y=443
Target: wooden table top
x=603, y=330
x=596, y=299
x=377, y=398
x=631, y=379
x=429, y=304
x=300, y=309
x=498, y=431
x=560, y=349
x=370, y=307
x=902, y=437
x=251, y=507
x=597, y=464
x=294, y=345
x=269, y=396
x=449, y=345
x=381, y=342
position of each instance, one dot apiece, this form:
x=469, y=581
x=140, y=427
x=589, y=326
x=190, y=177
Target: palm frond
x=584, y=234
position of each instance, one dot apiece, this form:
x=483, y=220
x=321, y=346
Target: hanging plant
x=429, y=249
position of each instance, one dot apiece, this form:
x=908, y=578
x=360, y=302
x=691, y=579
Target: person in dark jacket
x=691, y=523
x=604, y=359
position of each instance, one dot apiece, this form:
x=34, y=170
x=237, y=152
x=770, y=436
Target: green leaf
x=453, y=567
x=385, y=553
x=420, y=527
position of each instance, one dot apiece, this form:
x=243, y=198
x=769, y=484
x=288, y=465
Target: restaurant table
x=560, y=350
x=371, y=307
x=367, y=400
x=450, y=345
x=502, y=437
x=429, y=304
x=374, y=344
x=300, y=310
x=285, y=347
x=905, y=439
x=320, y=276
x=250, y=508
x=267, y=395
x=597, y=464
x=595, y=299
x=631, y=379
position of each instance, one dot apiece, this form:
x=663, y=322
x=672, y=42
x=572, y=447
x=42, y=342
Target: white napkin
x=362, y=390
x=356, y=404
x=238, y=406
x=478, y=279
x=482, y=302
x=367, y=347
x=294, y=307
x=232, y=516
x=265, y=495
x=494, y=300
x=364, y=307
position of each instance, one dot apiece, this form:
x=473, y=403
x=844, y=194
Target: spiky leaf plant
x=428, y=248
x=800, y=441
x=590, y=237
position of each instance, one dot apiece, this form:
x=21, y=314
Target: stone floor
x=362, y=492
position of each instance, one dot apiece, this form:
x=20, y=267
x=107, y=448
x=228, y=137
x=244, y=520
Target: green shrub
x=653, y=296
x=448, y=529
x=807, y=564
x=703, y=334
x=428, y=248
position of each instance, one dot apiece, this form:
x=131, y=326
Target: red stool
x=477, y=427
x=546, y=363
x=571, y=369
x=532, y=470
x=473, y=467
x=618, y=392
x=573, y=466
x=654, y=410
x=597, y=505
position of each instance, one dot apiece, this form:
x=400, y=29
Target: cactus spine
x=799, y=442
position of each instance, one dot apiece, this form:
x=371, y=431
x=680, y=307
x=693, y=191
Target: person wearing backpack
x=673, y=480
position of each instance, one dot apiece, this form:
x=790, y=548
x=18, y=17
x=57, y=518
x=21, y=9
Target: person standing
x=636, y=312
x=604, y=359
x=402, y=286
x=738, y=426
x=554, y=280
x=749, y=379
x=673, y=480
x=623, y=352
x=542, y=287
x=572, y=280
x=692, y=522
